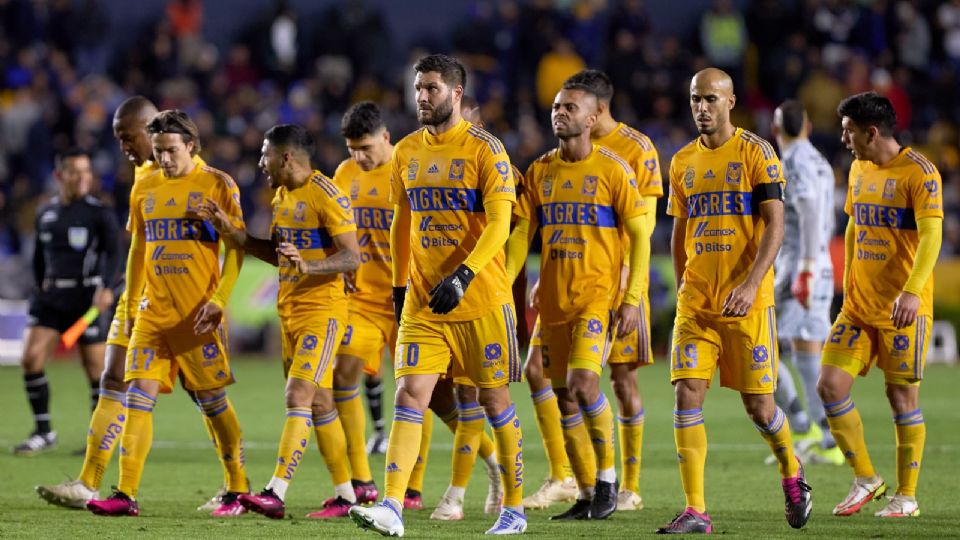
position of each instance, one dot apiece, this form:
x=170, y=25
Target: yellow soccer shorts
x=634, y=348
x=745, y=350
x=855, y=346
x=309, y=346
x=117, y=335
x=582, y=343
x=159, y=355
x=483, y=352
x=366, y=336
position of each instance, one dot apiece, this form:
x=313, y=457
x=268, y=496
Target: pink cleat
x=229, y=506
x=332, y=508
x=266, y=503
x=118, y=504
x=412, y=500
x=366, y=492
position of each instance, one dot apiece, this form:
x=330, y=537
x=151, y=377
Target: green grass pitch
x=743, y=495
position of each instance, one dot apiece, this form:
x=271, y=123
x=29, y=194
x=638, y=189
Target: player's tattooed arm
x=345, y=259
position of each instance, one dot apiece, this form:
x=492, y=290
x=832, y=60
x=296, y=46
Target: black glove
x=399, y=294
x=447, y=294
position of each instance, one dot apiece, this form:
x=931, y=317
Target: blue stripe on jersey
x=573, y=213
x=305, y=238
x=372, y=218
x=169, y=229
x=890, y=217
x=719, y=203
x=433, y=199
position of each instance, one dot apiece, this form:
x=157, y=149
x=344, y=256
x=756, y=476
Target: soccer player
x=628, y=352
x=455, y=178
x=726, y=192
x=803, y=281
x=313, y=242
x=892, y=241
x=75, y=265
x=177, y=324
x=582, y=197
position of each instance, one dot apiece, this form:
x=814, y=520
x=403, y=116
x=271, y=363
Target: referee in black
x=76, y=262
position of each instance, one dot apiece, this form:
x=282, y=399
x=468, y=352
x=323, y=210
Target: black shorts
x=60, y=308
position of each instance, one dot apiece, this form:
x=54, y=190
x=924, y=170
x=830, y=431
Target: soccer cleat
x=688, y=522
x=214, y=503
x=36, y=443
x=552, y=491
x=412, y=500
x=604, y=500
x=509, y=522
x=366, y=492
x=628, y=500
x=900, y=506
x=579, y=510
x=71, y=494
x=266, y=503
x=494, y=502
x=449, y=509
x=860, y=494
x=378, y=443
x=117, y=504
x=229, y=506
x=382, y=518
x=798, y=502
x=332, y=508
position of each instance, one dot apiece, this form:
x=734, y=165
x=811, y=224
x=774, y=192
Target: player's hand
x=211, y=212
x=534, y=297
x=290, y=251
x=905, y=309
x=103, y=299
x=446, y=295
x=801, y=288
x=350, y=282
x=399, y=295
x=627, y=319
x=740, y=300
x=207, y=319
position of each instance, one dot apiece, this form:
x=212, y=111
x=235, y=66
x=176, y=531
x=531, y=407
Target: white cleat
x=214, y=502
x=628, y=500
x=494, y=502
x=509, y=522
x=70, y=494
x=900, y=506
x=861, y=493
x=552, y=491
x=449, y=509
x=381, y=518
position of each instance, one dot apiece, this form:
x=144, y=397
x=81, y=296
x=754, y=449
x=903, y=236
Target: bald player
x=726, y=197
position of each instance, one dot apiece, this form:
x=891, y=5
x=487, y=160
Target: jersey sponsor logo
x=412, y=168
x=427, y=242
x=572, y=213
x=890, y=217
x=169, y=270
x=547, y=186
x=711, y=247
x=890, y=188
x=173, y=229
x=160, y=254
x=299, y=211
x=193, y=201
x=589, y=186
x=734, y=172
x=435, y=199
x=457, y=167
x=343, y=201
x=366, y=257
x=556, y=237
x=433, y=169
x=372, y=218
x=172, y=201
x=650, y=164
x=77, y=237
x=932, y=187
x=317, y=238
x=688, y=177
x=719, y=203
x=373, y=192
x=773, y=171
x=493, y=351
x=901, y=343
x=879, y=242
x=867, y=255
x=567, y=185
x=702, y=230
x=709, y=175
x=211, y=351
x=427, y=225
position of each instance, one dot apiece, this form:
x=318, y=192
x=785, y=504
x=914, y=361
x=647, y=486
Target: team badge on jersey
x=547, y=186
x=760, y=354
x=650, y=164
x=858, y=185
x=210, y=351
x=589, y=186
x=901, y=342
x=931, y=187
x=300, y=212
x=77, y=237
x=688, y=177
x=734, y=172
x=149, y=203
x=493, y=351
x=193, y=201
x=890, y=188
x=354, y=189
x=504, y=169
x=773, y=171
x=412, y=168
x=457, y=167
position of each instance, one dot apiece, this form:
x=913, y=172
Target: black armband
x=765, y=192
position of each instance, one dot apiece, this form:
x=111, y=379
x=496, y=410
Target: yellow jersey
x=717, y=192
x=309, y=217
x=885, y=203
x=638, y=151
x=140, y=172
x=580, y=208
x=182, y=257
x=447, y=179
x=373, y=213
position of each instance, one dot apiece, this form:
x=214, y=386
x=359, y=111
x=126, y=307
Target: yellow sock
x=354, y=422
x=487, y=446
x=333, y=445
x=402, y=451
x=847, y=429
x=911, y=434
x=579, y=451
x=136, y=441
x=548, y=422
x=509, y=437
x=416, y=476
x=106, y=429
x=466, y=440
x=777, y=435
x=631, y=443
x=293, y=448
x=599, y=419
x=221, y=418
x=690, y=435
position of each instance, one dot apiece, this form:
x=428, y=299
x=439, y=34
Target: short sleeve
x=676, y=200
x=765, y=165
x=648, y=173
x=334, y=209
x=494, y=174
x=230, y=202
x=926, y=196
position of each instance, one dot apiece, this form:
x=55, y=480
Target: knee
x=299, y=393
x=582, y=390
x=760, y=411
x=624, y=384
x=903, y=399
x=410, y=398
x=323, y=401
x=494, y=400
x=467, y=394
x=827, y=390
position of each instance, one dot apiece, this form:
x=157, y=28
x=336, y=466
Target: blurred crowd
x=62, y=78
